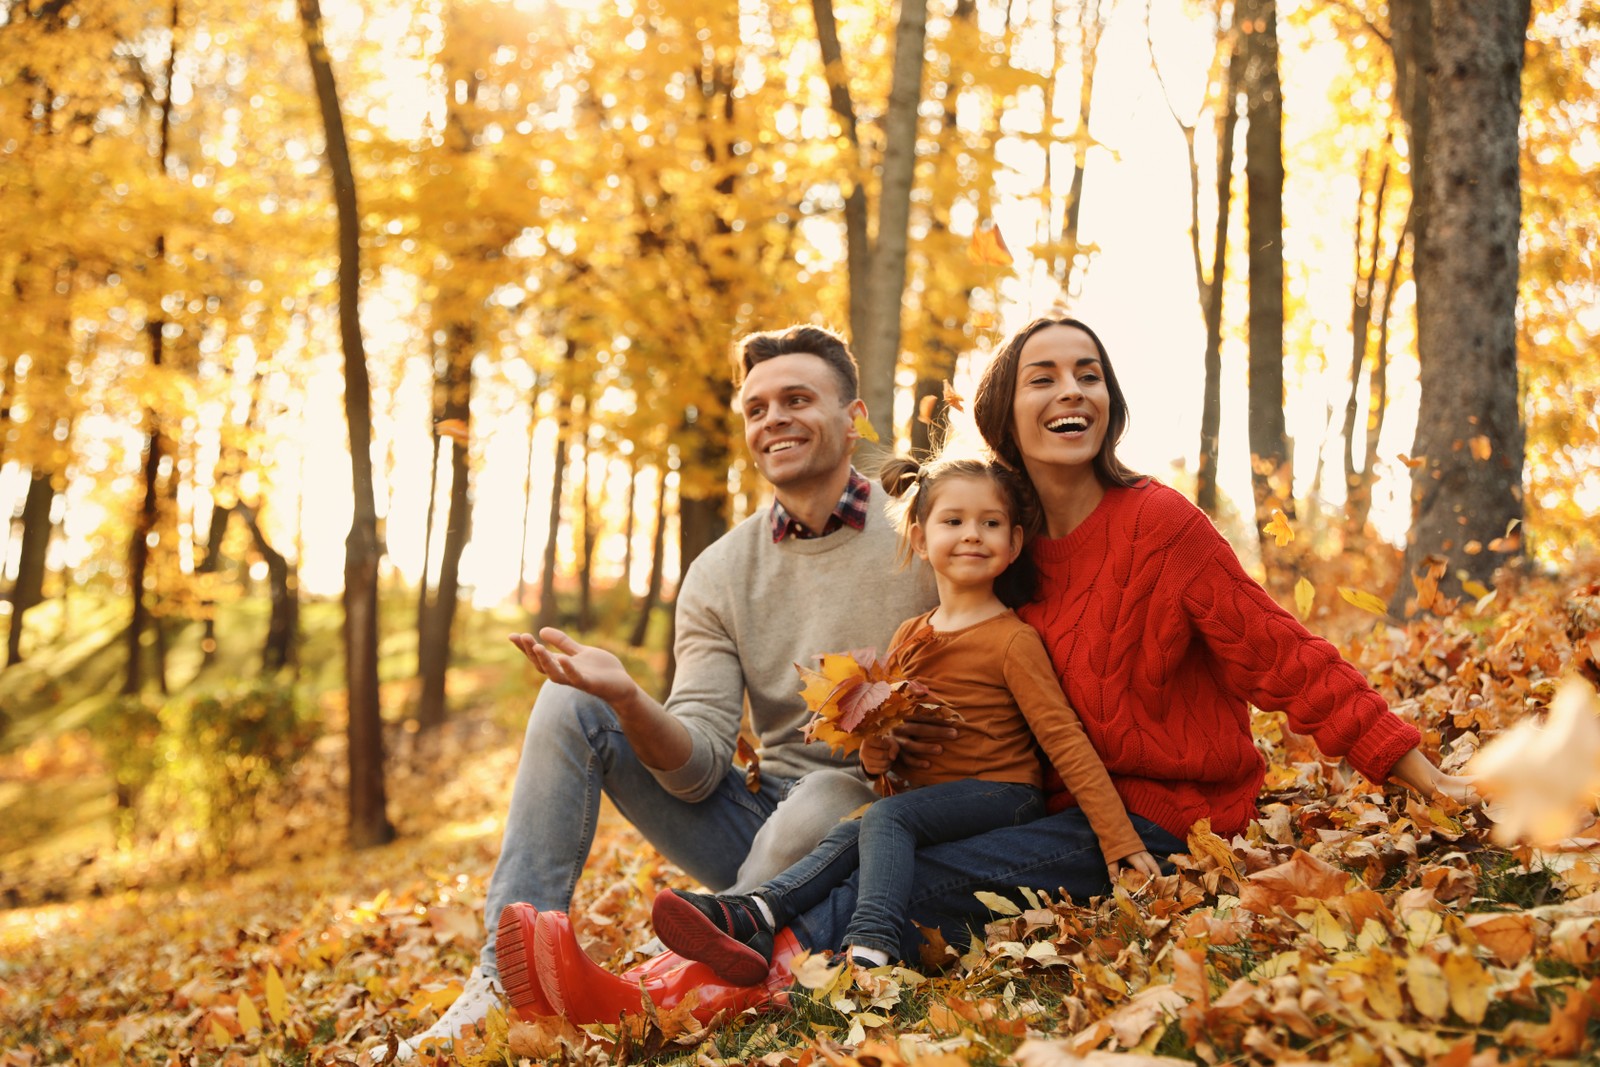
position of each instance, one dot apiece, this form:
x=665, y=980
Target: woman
x=1161, y=642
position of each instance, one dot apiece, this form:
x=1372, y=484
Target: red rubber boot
x=514, y=949
x=584, y=992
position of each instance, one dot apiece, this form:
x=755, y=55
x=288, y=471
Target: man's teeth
x=1067, y=422
x=781, y=446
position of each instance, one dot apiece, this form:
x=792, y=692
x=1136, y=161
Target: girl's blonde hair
x=914, y=485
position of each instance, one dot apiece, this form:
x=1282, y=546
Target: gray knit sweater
x=748, y=610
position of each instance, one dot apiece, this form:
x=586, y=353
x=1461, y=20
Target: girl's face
x=970, y=536
x=1061, y=405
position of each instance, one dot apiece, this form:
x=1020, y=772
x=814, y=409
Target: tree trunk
x=1467, y=494
x=145, y=519
x=424, y=581
x=549, y=607
x=658, y=554
x=857, y=241
x=28, y=589
x=369, y=819
x=209, y=565
x=1211, y=289
x=283, y=625
x=586, y=534
x=876, y=298
x=439, y=612
x=1271, y=473
x=527, y=497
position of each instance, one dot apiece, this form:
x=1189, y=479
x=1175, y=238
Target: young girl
x=974, y=656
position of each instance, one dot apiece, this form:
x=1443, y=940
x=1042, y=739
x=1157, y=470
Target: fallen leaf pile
x=1353, y=923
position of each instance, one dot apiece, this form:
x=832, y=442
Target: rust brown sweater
x=997, y=676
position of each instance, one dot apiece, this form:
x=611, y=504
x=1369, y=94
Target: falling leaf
x=1475, y=588
x=455, y=429
x=925, y=409
x=951, y=397
x=1482, y=449
x=864, y=428
x=987, y=248
x=1364, y=601
x=1305, y=594
x=1409, y=462
x=1278, y=528
x=1543, y=778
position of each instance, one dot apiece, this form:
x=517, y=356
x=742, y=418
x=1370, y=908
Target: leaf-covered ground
x=1352, y=924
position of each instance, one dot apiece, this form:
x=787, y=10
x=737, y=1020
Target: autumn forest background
x=340, y=338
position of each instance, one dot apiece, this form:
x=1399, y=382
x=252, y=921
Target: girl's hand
x=1142, y=862
x=878, y=753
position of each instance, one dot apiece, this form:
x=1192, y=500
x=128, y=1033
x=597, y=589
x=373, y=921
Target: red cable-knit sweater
x=1161, y=639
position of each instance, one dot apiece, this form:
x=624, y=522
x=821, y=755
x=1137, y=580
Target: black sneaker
x=727, y=934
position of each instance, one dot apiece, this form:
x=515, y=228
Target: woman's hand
x=1142, y=862
x=878, y=753
x=1414, y=770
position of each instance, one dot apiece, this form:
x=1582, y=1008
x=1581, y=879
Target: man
x=815, y=573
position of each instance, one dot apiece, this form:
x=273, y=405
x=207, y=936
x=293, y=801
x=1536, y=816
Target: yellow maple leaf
x=1305, y=594
x=1363, y=600
x=1279, y=528
x=864, y=428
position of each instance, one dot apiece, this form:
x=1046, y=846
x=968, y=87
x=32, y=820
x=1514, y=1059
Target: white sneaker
x=481, y=992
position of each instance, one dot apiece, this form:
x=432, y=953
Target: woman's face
x=1061, y=405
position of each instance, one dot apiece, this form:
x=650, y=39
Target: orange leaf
x=1279, y=529
x=455, y=429
x=952, y=397
x=1482, y=449
x=988, y=248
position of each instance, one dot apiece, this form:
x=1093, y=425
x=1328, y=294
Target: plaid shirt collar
x=851, y=511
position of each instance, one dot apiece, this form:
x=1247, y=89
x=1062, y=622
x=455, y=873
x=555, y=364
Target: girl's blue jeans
x=883, y=845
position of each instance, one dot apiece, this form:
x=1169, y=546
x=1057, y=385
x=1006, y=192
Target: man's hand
x=593, y=670
x=920, y=739
x=1142, y=862
x=878, y=753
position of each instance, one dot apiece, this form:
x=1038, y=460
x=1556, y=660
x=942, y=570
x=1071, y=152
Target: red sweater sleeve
x=1262, y=653
x=1032, y=682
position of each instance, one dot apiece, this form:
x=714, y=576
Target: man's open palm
x=593, y=670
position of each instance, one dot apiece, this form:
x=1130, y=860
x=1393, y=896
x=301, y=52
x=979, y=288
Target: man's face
x=800, y=431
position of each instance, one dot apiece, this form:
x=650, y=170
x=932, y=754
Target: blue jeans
x=574, y=750
x=1058, y=853
x=883, y=844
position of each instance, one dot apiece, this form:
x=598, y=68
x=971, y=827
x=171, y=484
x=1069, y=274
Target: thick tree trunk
x=28, y=590
x=1467, y=494
x=368, y=817
x=658, y=555
x=1271, y=475
x=438, y=615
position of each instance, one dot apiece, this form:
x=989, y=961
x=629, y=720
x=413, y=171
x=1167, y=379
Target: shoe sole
x=685, y=929
x=518, y=976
